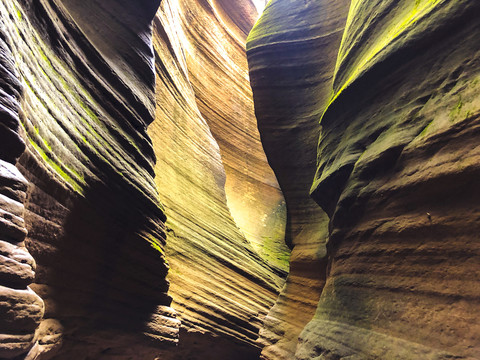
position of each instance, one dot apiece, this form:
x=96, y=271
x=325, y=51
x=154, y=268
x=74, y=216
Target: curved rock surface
x=292, y=59
x=214, y=35
x=369, y=114
x=210, y=165
x=95, y=224
x=396, y=169
x=21, y=309
x=96, y=227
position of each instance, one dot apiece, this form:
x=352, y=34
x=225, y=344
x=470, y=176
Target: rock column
x=21, y=309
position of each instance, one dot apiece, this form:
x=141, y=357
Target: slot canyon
x=239, y=179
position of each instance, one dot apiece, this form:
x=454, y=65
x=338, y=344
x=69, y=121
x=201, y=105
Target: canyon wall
x=122, y=242
x=291, y=60
x=85, y=191
x=224, y=208
x=80, y=97
x=397, y=157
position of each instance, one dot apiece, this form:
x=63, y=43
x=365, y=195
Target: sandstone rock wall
x=78, y=81
x=369, y=115
x=214, y=35
x=20, y=308
x=395, y=173
x=210, y=166
x=292, y=58
x=81, y=81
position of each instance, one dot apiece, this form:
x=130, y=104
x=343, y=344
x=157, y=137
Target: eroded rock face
x=21, y=310
x=384, y=262
x=396, y=169
x=94, y=219
x=96, y=227
x=209, y=157
x=292, y=58
x=213, y=36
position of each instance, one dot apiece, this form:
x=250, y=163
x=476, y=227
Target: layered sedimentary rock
x=80, y=82
x=210, y=165
x=372, y=106
x=396, y=169
x=20, y=308
x=95, y=223
x=292, y=53
x=213, y=35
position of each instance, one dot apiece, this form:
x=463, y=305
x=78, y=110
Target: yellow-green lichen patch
x=79, y=96
x=18, y=12
x=408, y=14
x=273, y=255
x=61, y=170
x=154, y=243
x=73, y=111
x=47, y=151
x=65, y=89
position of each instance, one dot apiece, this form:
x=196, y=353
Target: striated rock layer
x=291, y=60
x=213, y=36
x=396, y=169
x=95, y=224
x=210, y=166
x=20, y=308
x=78, y=82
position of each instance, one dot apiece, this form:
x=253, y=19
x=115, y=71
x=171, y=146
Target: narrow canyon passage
x=218, y=179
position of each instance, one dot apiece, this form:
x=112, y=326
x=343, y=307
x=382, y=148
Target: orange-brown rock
x=79, y=78
x=291, y=60
x=214, y=35
x=224, y=209
x=396, y=163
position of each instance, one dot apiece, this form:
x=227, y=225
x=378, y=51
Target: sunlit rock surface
x=225, y=212
x=396, y=171
x=213, y=35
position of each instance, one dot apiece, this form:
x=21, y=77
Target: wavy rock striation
x=291, y=60
x=396, y=169
x=79, y=94
x=214, y=36
x=210, y=165
x=95, y=224
x=381, y=198
x=400, y=189
x=21, y=309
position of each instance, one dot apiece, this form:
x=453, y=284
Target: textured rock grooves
x=20, y=308
x=95, y=224
x=291, y=62
x=227, y=261
x=78, y=87
x=398, y=156
x=369, y=114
